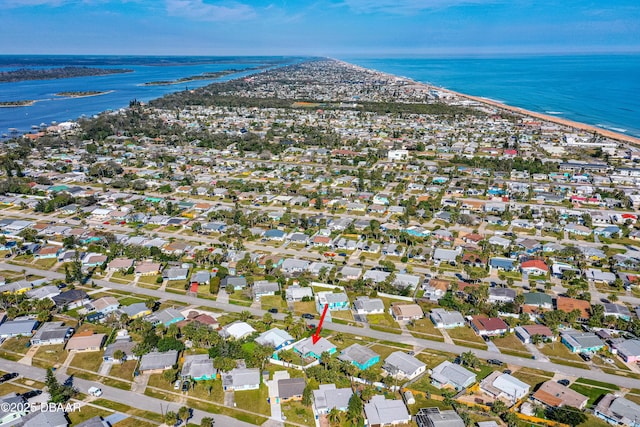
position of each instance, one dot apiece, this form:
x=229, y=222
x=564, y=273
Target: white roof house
x=237, y=330
x=380, y=411
x=498, y=384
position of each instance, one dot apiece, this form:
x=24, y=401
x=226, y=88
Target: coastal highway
x=129, y=398
x=362, y=332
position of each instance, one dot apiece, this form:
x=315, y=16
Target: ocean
x=600, y=90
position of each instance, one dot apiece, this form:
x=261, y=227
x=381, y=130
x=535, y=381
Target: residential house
x=581, y=342
x=554, y=395
x=350, y=273
x=360, y=356
x=239, y=379
x=307, y=348
x=628, y=350
x=618, y=410
x=328, y=397
x=538, y=299
x=294, y=266
x=86, y=341
x=489, y=326
x=135, y=310
x=534, y=267
x=366, y=305
x=403, y=366
x=118, y=264
x=175, y=273
x=448, y=256
x=20, y=326
x=51, y=333
x=262, y=288
x=156, y=361
x=105, y=305
x=275, y=337
x=444, y=319
x=526, y=332
x=233, y=282
x=236, y=330
x=434, y=417
x=501, y=295
x=125, y=345
x=502, y=264
x=499, y=384
x=335, y=300
x=406, y=312
x=381, y=412
x=290, y=389
x=617, y=310
x=12, y=409
x=165, y=317
x=449, y=374
x=296, y=293
x=198, y=367
x=146, y=268
x=71, y=299
x=435, y=289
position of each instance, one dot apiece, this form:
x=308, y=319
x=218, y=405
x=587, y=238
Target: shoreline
x=62, y=95
x=512, y=109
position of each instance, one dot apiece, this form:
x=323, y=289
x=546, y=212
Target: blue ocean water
x=123, y=87
x=600, y=90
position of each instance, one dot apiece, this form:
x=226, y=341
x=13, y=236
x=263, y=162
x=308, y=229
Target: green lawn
x=304, y=307
x=149, y=280
x=382, y=319
x=90, y=360
x=123, y=370
x=511, y=343
x=273, y=301
x=424, y=326
x=254, y=400
x=464, y=336
x=532, y=376
x=45, y=264
x=597, y=384
x=48, y=356
x=16, y=345
x=298, y=413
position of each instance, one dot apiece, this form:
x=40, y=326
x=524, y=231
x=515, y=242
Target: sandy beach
x=508, y=108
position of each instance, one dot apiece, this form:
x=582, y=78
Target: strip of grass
x=383, y=329
x=595, y=383
x=89, y=361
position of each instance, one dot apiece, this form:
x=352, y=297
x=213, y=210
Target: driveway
x=276, y=408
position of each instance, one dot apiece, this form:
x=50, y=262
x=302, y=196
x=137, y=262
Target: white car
x=176, y=385
x=95, y=391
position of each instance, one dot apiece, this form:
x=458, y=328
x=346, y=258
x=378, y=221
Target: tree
x=566, y=415
x=612, y=297
x=307, y=393
x=245, y=315
x=499, y=407
x=118, y=355
x=335, y=417
x=469, y=358
x=171, y=418
x=150, y=303
x=267, y=319
x=170, y=375
x=184, y=413
x=207, y=422
x=354, y=410
x=59, y=393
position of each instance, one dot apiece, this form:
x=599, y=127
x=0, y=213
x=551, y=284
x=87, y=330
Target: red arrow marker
x=316, y=336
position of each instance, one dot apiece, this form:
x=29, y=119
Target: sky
x=319, y=27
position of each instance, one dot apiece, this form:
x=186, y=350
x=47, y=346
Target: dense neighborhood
x=170, y=263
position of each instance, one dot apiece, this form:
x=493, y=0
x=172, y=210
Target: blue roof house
x=504, y=264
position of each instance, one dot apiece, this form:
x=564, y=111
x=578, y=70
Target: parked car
x=273, y=310
x=31, y=393
x=308, y=316
x=185, y=386
x=176, y=385
x=564, y=382
x=495, y=362
x=95, y=391
x=7, y=377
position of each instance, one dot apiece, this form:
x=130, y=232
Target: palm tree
x=334, y=416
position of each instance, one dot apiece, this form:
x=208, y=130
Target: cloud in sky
x=406, y=6
x=203, y=11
